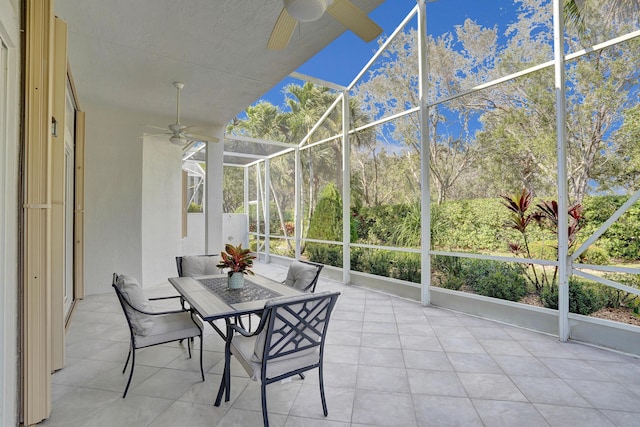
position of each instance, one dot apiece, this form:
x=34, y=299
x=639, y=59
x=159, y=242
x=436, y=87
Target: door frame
x=10, y=110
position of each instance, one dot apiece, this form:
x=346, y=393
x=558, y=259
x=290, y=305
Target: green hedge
x=494, y=279
x=397, y=265
x=584, y=297
x=478, y=225
x=324, y=253
x=622, y=239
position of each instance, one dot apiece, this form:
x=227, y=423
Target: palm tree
x=615, y=9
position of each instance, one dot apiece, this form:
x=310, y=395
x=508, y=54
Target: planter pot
x=236, y=280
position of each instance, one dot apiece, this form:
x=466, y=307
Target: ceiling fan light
x=177, y=139
x=305, y=10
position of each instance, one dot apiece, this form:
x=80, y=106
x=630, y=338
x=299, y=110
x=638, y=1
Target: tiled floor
x=389, y=362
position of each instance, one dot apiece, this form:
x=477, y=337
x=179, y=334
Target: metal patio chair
x=288, y=341
x=149, y=328
x=197, y=265
x=303, y=275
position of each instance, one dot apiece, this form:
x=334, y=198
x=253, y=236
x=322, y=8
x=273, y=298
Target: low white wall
x=193, y=244
x=590, y=330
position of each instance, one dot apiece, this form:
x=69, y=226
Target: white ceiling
x=127, y=53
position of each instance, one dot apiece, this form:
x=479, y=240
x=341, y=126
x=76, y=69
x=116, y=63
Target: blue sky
x=341, y=61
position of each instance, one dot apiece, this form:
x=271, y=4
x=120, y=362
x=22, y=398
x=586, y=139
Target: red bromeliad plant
x=548, y=211
x=236, y=259
x=546, y=217
x=519, y=220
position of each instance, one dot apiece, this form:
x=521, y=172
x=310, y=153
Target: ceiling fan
x=177, y=132
x=343, y=11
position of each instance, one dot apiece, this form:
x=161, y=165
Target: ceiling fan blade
x=354, y=19
x=282, y=31
x=152, y=135
x=203, y=138
x=156, y=127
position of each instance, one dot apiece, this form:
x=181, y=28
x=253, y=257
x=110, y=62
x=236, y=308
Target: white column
x=346, y=190
x=258, y=207
x=245, y=205
x=267, y=210
x=298, y=203
x=213, y=189
x=561, y=149
x=425, y=203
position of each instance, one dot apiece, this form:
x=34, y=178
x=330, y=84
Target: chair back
x=303, y=275
x=197, y=265
x=135, y=305
x=295, y=326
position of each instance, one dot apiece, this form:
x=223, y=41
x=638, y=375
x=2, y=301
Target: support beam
x=298, y=203
x=245, y=198
x=346, y=190
x=267, y=210
x=213, y=188
x=564, y=269
x=425, y=157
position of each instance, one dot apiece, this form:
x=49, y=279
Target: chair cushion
x=243, y=349
x=199, y=266
x=132, y=291
x=171, y=327
x=300, y=275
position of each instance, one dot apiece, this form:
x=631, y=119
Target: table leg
x=225, y=385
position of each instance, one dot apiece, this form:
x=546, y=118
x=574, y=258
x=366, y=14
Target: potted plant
x=239, y=261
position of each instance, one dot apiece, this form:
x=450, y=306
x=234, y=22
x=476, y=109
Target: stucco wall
x=113, y=196
x=161, y=209
x=193, y=244
x=132, y=198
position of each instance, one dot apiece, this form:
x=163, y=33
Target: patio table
x=211, y=299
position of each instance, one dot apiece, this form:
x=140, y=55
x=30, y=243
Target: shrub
x=544, y=249
x=452, y=282
x=489, y=278
x=584, y=298
x=326, y=220
x=382, y=224
x=478, y=225
x=324, y=253
x=326, y=224
x=397, y=265
x=621, y=239
x=468, y=224
x=494, y=279
x=448, y=265
x=614, y=298
x=594, y=255
x=447, y=271
x=406, y=266
x=194, y=208
x=376, y=262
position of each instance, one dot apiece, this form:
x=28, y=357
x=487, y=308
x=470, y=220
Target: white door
x=69, y=202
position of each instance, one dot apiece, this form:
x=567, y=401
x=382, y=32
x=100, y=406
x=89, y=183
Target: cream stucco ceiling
x=126, y=53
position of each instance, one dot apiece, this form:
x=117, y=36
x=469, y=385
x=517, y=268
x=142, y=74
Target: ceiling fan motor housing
x=178, y=139
x=306, y=10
